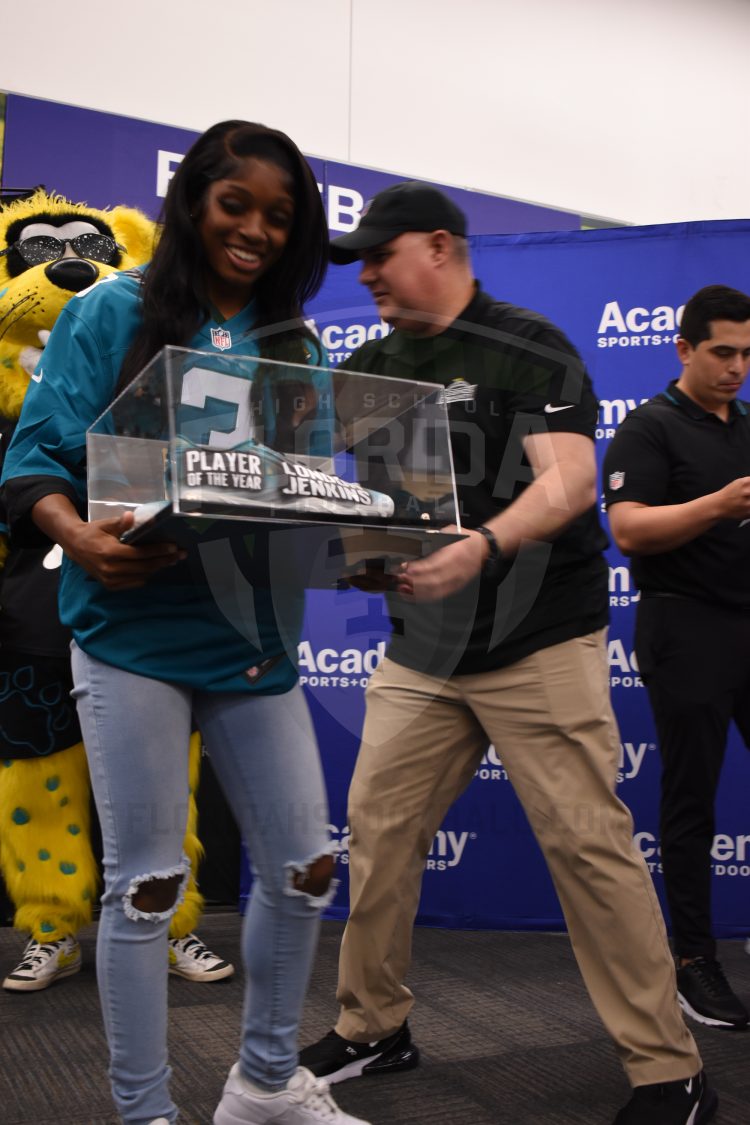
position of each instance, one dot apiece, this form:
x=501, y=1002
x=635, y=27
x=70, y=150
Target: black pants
x=695, y=661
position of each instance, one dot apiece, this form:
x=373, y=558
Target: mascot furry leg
x=52, y=875
x=46, y=857
x=45, y=843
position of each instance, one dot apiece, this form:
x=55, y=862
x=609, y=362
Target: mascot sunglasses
x=44, y=248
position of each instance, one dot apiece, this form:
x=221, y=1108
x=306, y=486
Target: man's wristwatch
x=493, y=562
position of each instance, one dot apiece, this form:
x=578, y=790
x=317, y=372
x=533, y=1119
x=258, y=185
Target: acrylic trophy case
x=339, y=467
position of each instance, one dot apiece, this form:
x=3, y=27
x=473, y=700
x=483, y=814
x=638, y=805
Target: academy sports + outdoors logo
x=352, y=668
x=612, y=411
x=638, y=326
x=632, y=757
x=623, y=666
x=730, y=854
x=622, y=590
x=446, y=851
x=337, y=668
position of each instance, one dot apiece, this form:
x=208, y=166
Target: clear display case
x=208, y=445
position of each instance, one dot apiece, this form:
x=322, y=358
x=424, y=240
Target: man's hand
x=564, y=487
x=734, y=499
x=445, y=572
x=374, y=579
x=643, y=529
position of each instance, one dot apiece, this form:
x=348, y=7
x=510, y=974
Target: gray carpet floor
x=506, y=1030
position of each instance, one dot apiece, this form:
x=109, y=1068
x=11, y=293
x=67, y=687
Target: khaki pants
x=550, y=718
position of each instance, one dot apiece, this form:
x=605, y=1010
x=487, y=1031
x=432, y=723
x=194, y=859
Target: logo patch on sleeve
x=616, y=481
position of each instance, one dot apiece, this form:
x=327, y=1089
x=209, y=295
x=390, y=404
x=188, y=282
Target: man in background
x=678, y=494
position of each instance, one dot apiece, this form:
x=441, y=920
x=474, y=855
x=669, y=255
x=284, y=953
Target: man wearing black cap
x=499, y=637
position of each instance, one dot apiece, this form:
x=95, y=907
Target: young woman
x=244, y=244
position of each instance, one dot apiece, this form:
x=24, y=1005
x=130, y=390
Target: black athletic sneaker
x=686, y=1102
x=706, y=995
x=336, y=1059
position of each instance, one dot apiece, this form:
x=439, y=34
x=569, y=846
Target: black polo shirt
x=670, y=451
x=508, y=372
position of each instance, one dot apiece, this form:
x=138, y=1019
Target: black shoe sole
x=700, y=1114
x=390, y=1062
x=708, y=1109
x=397, y=1058
x=710, y=1021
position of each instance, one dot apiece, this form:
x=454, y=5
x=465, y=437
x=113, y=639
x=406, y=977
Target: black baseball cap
x=400, y=208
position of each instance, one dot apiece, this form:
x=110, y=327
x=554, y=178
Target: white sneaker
x=189, y=958
x=304, y=1101
x=43, y=964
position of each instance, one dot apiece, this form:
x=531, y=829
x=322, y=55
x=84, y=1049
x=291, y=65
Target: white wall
x=633, y=109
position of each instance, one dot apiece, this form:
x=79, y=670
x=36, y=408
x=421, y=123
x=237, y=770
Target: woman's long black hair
x=175, y=294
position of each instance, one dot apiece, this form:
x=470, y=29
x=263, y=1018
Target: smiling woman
x=243, y=190
x=244, y=244
x=244, y=227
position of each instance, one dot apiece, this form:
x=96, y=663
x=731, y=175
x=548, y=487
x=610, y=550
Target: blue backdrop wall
x=618, y=295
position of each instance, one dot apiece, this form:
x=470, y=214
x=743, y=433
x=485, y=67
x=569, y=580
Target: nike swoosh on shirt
x=744, y=522
x=550, y=409
x=37, y=378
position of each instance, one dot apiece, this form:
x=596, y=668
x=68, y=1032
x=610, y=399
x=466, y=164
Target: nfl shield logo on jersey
x=221, y=339
x=616, y=480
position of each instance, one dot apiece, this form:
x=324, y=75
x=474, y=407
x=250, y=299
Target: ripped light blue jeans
x=136, y=732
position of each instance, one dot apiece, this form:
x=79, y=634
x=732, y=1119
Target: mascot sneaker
x=42, y=965
x=304, y=1101
x=189, y=958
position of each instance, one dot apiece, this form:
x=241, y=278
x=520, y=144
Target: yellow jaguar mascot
x=51, y=249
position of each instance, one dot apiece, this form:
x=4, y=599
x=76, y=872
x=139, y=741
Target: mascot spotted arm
x=51, y=249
